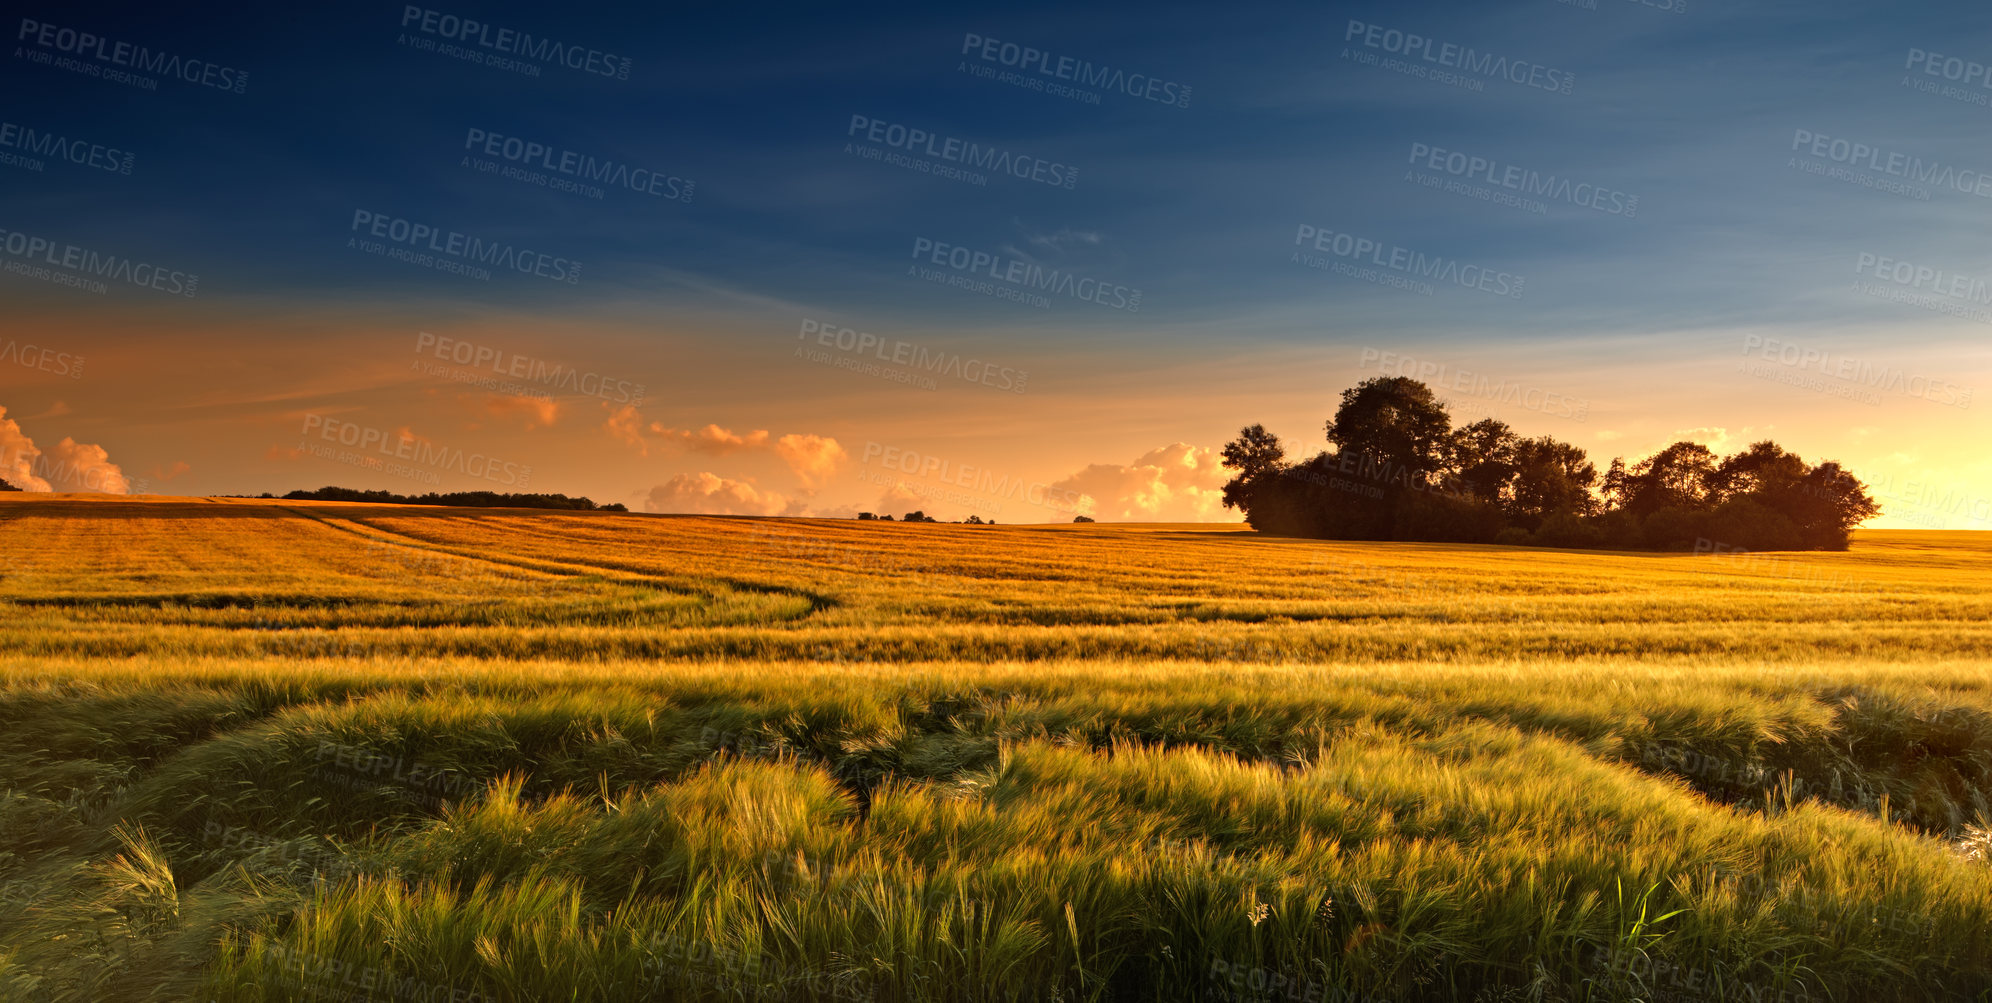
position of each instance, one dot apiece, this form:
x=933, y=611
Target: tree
x=1082, y=518
x=1616, y=488
x=1828, y=504
x=1255, y=451
x=1395, y=428
x=1764, y=470
x=1398, y=470
x=1681, y=476
x=1481, y=458
x=917, y=515
x=1255, y=454
x=4, y=486
x=1551, y=478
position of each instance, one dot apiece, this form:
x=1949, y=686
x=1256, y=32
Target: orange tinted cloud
x=1176, y=483
x=711, y=439
x=168, y=473
x=710, y=494
x=538, y=412
x=66, y=466
x=814, y=458
x=625, y=425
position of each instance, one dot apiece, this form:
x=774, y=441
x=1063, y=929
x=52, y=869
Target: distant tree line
x=1396, y=469
x=4, y=486
x=462, y=499
x=919, y=515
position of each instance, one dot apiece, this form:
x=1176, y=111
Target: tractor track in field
x=571, y=570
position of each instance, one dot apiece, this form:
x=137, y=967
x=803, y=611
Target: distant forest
x=463, y=499
x=1396, y=469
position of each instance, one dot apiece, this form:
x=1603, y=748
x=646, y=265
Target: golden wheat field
x=259, y=750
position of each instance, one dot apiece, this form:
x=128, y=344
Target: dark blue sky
x=1692, y=112
x=1196, y=206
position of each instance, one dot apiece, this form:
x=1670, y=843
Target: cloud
x=82, y=466
x=712, y=439
x=936, y=501
x=900, y=499
x=66, y=466
x=538, y=411
x=18, y=456
x=1715, y=437
x=710, y=494
x=814, y=458
x=625, y=425
x=178, y=468
x=1176, y=483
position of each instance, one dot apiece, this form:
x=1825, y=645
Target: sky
x=1022, y=262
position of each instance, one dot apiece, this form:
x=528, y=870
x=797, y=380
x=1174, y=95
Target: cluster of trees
x=920, y=515
x=4, y=486
x=1396, y=469
x=463, y=499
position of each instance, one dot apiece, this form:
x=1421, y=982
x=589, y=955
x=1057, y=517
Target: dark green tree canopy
x=1394, y=421
x=1397, y=469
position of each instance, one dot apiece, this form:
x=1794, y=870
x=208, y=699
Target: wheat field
x=257, y=750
